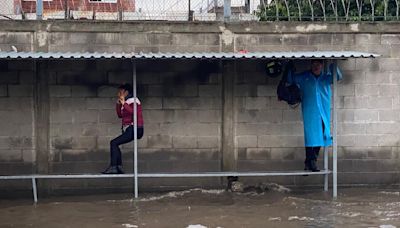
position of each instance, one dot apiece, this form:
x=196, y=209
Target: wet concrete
x=196, y=208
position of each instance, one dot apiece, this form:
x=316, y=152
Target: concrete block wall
x=183, y=101
x=181, y=109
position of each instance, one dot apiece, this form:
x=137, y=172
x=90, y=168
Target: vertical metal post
x=135, y=162
x=326, y=167
x=227, y=10
x=34, y=189
x=334, y=174
x=39, y=9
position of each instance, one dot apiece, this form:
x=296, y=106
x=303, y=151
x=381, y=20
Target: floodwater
x=199, y=208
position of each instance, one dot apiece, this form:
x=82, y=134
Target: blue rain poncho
x=315, y=104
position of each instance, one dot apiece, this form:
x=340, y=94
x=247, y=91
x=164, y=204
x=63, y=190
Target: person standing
x=315, y=87
x=124, y=109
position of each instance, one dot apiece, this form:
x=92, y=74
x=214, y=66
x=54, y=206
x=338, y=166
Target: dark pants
x=312, y=152
x=125, y=137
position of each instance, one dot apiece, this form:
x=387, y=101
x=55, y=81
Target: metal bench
x=33, y=177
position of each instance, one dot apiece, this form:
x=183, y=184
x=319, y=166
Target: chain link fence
x=166, y=10
x=202, y=10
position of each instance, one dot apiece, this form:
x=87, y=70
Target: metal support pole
x=39, y=9
x=227, y=10
x=34, y=190
x=334, y=169
x=135, y=163
x=326, y=168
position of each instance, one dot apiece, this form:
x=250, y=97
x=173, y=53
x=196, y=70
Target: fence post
x=39, y=9
x=227, y=10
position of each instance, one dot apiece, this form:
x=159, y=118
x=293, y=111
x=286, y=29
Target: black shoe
x=112, y=170
x=313, y=166
x=120, y=170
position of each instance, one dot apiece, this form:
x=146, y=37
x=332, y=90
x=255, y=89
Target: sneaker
x=120, y=170
x=111, y=170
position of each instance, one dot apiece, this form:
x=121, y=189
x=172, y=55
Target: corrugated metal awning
x=195, y=55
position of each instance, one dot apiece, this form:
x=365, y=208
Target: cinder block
x=155, y=90
x=389, y=115
x=352, y=128
x=61, y=116
x=257, y=103
x=185, y=116
x=270, y=39
x=356, y=102
x=266, y=90
x=20, y=90
x=184, y=142
x=26, y=77
x=380, y=103
x=107, y=38
x=135, y=38
x=152, y=102
x=209, y=90
x=382, y=128
x=3, y=91
x=89, y=116
x=107, y=91
x=295, y=39
x=346, y=90
x=366, y=90
x=159, y=141
x=283, y=153
x=206, y=129
x=250, y=128
x=246, y=141
x=280, y=141
x=83, y=91
x=11, y=155
x=209, y=116
x=367, y=140
x=345, y=115
x=270, y=116
x=108, y=116
x=257, y=154
x=60, y=91
x=208, y=142
x=368, y=39
x=20, y=142
x=390, y=39
x=16, y=37
x=388, y=140
x=381, y=77
x=28, y=155
x=292, y=115
x=368, y=65
x=365, y=115
x=100, y=103
x=389, y=90
x=320, y=39
x=184, y=91
x=148, y=78
x=159, y=116
x=343, y=39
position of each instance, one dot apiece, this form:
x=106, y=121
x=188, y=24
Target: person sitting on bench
x=124, y=109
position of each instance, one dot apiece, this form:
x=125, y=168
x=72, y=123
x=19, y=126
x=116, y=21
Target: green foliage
x=273, y=10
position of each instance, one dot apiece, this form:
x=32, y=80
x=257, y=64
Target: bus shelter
x=328, y=56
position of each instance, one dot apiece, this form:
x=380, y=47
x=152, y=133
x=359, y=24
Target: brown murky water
x=199, y=208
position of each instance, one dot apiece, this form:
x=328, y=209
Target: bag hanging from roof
x=288, y=92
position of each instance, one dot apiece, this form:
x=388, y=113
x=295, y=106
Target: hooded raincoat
x=315, y=104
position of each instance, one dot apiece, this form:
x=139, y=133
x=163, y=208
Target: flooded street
x=196, y=208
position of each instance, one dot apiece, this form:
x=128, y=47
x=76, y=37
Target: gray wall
x=191, y=114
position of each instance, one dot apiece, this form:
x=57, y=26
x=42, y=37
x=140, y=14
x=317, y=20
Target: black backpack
x=288, y=92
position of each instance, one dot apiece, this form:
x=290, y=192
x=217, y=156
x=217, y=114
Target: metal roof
x=194, y=55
